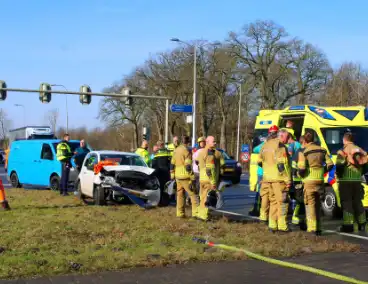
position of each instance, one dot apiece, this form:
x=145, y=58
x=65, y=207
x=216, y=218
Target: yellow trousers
x=183, y=186
x=312, y=201
x=205, y=187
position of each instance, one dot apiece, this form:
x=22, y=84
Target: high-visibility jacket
x=313, y=163
x=63, y=151
x=275, y=161
x=293, y=149
x=257, y=150
x=171, y=148
x=162, y=160
x=144, y=154
x=347, y=169
x=211, y=163
x=181, y=164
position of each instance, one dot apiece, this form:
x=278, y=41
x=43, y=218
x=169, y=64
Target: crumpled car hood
x=145, y=170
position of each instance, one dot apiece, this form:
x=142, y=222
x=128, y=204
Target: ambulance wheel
x=99, y=196
x=55, y=183
x=14, y=180
x=329, y=204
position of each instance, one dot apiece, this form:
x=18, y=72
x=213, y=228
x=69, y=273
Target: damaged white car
x=118, y=177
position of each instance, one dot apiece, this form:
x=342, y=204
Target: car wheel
x=14, y=180
x=99, y=196
x=329, y=204
x=55, y=183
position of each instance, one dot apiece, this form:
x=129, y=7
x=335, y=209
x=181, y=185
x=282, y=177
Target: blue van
x=33, y=164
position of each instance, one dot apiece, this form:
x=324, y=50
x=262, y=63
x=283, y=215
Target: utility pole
x=239, y=113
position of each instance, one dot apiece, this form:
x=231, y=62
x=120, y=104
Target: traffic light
x=128, y=99
x=2, y=92
x=45, y=93
x=85, y=99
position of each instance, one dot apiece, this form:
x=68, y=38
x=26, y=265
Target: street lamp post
x=194, y=46
x=24, y=113
x=239, y=113
x=66, y=104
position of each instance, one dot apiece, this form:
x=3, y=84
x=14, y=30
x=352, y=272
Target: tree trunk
x=233, y=143
x=223, y=133
x=135, y=135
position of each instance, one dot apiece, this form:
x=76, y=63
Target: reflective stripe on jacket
x=211, y=163
x=181, y=164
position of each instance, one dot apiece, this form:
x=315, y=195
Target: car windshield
x=73, y=146
x=124, y=160
x=225, y=155
x=333, y=137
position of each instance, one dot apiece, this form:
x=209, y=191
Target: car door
x=46, y=165
x=87, y=175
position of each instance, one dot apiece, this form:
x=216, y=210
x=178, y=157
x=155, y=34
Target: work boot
x=285, y=231
x=271, y=230
x=315, y=233
x=65, y=194
x=5, y=205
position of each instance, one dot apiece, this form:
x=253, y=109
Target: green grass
x=44, y=234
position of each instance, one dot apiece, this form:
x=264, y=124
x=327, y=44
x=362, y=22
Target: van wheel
x=14, y=180
x=329, y=204
x=55, y=183
x=99, y=196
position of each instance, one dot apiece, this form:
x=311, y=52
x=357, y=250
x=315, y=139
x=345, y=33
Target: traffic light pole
x=111, y=95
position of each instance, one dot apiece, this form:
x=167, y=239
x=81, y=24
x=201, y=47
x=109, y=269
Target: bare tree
x=52, y=117
x=4, y=126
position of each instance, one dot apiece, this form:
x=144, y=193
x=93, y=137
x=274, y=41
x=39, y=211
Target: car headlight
x=152, y=184
x=108, y=180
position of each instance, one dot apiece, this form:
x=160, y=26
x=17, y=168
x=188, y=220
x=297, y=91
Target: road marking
x=327, y=231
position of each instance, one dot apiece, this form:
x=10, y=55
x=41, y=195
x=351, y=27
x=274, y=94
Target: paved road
x=250, y=271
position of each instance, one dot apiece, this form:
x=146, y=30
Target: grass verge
x=46, y=234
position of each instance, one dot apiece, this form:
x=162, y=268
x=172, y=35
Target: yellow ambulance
x=329, y=125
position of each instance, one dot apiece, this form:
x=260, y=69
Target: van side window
x=46, y=152
x=316, y=137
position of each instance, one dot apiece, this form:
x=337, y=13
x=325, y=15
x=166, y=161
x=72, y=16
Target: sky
x=97, y=42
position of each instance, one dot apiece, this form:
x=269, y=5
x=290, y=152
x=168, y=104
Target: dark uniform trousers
x=64, y=177
x=351, y=194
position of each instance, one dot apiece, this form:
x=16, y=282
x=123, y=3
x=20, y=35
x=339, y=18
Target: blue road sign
x=245, y=148
x=181, y=108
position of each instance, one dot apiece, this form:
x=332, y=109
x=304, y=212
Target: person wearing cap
x=201, y=145
x=143, y=152
x=275, y=162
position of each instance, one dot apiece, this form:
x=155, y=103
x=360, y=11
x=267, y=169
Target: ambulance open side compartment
x=329, y=125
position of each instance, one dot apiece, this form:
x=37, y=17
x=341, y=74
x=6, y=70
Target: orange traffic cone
x=3, y=201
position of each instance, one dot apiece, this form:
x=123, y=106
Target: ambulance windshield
x=333, y=137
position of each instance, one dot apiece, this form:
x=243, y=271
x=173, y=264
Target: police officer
x=275, y=161
x=349, y=170
x=171, y=147
x=161, y=163
x=143, y=152
x=64, y=154
x=210, y=163
x=313, y=163
x=181, y=170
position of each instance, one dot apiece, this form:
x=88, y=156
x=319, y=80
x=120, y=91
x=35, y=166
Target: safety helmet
x=273, y=128
x=201, y=139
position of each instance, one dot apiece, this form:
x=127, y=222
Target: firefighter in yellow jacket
x=350, y=163
x=210, y=163
x=181, y=170
x=275, y=162
x=313, y=163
